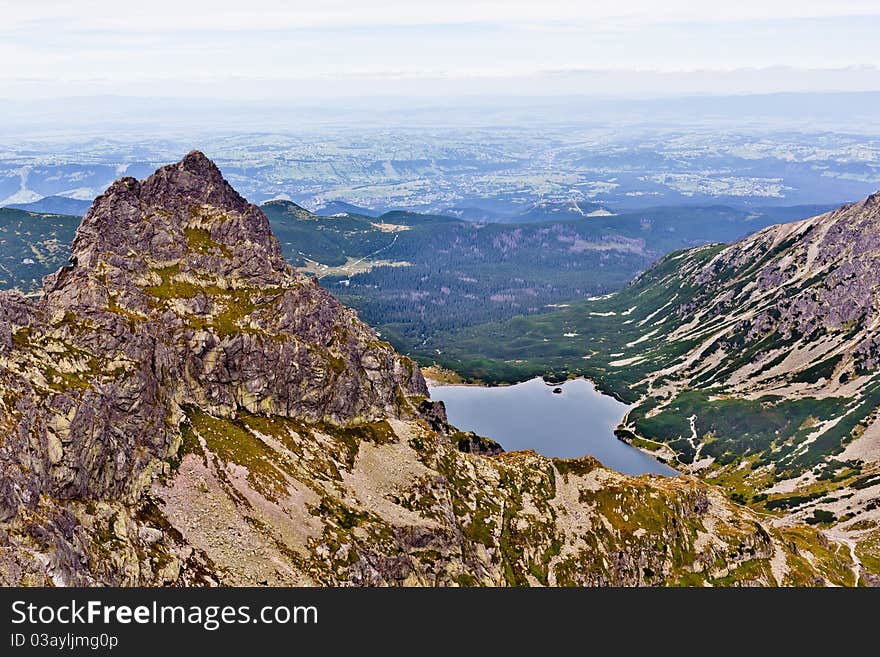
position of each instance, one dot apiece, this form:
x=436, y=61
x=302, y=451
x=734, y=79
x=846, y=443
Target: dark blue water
x=579, y=421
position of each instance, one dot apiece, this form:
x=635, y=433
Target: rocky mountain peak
x=185, y=217
x=185, y=214
x=184, y=273
x=196, y=179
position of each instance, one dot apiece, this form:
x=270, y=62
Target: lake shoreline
x=559, y=420
x=436, y=376
x=439, y=377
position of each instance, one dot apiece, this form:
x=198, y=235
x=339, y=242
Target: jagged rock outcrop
x=181, y=407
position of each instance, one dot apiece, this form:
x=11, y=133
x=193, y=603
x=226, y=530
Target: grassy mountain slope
x=31, y=246
x=754, y=364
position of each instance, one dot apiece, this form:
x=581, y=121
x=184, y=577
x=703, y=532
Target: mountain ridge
x=54, y=205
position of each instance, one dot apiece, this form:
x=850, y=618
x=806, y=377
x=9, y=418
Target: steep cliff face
x=181, y=407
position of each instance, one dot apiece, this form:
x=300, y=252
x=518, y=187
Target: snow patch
x=626, y=361
x=646, y=336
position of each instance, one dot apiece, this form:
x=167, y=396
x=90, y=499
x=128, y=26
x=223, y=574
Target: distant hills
x=412, y=275
x=551, y=210
x=288, y=209
x=538, y=212
x=336, y=207
x=548, y=210
x=55, y=205
x=475, y=173
x=32, y=246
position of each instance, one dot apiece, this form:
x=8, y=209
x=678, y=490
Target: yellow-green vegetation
x=645, y=530
x=234, y=444
x=21, y=337
x=158, y=554
x=62, y=381
x=338, y=515
x=746, y=479
x=172, y=287
x=236, y=306
x=62, y=365
x=437, y=374
x=868, y=551
x=199, y=240
x=114, y=307
x=579, y=466
x=189, y=444
x=469, y=441
x=756, y=570
x=742, y=479
x=337, y=364
x=649, y=445
x=816, y=490
x=274, y=453
x=528, y=548
x=811, y=551
x=275, y=450
x=73, y=323
x=230, y=307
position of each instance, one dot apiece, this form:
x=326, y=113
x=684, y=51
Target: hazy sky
x=284, y=49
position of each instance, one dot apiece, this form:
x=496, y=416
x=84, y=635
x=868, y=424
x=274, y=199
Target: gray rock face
x=178, y=295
